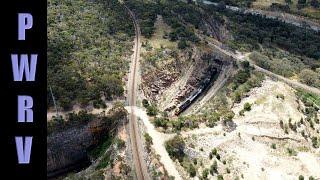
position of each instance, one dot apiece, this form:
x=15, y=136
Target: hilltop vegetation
x=284, y=49
x=147, y=12
x=251, y=31
x=307, y=8
x=240, y=3
x=88, y=42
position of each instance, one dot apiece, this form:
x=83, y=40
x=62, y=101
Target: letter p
x=25, y=21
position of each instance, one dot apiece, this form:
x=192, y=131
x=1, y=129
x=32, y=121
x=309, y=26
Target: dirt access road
x=135, y=138
x=269, y=73
x=285, y=17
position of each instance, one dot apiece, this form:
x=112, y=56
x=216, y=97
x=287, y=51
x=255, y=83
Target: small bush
x=220, y=177
x=218, y=156
x=205, y=174
x=214, y=168
x=311, y=178
x=145, y=103
x=210, y=156
x=241, y=113
x=280, y=96
x=301, y=177
x=315, y=143
x=152, y=110
x=192, y=171
x=224, y=162
x=291, y=152
x=148, y=140
x=214, y=151
x=247, y=107
x=228, y=170
x=281, y=124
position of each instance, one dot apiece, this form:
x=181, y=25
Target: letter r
x=25, y=21
x=25, y=113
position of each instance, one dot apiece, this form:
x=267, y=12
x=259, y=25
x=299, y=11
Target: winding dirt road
x=295, y=20
x=135, y=138
x=269, y=73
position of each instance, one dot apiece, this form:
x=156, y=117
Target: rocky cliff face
x=68, y=149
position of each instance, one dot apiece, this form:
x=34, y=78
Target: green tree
x=175, y=147
x=152, y=110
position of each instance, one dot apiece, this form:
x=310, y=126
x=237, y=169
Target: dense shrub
x=251, y=31
x=152, y=110
x=87, y=45
x=175, y=147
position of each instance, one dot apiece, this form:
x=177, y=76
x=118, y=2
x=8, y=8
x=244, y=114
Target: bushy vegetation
x=291, y=152
x=88, y=42
x=152, y=110
x=214, y=168
x=310, y=77
x=189, y=13
x=149, y=141
x=246, y=107
x=244, y=80
x=305, y=8
x=311, y=103
x=289, y=65
x=301, y=177
x=285, y=48
x=315, y=142
x=72, y=119
x=100, y=150
x=58, y=124
x=173, y=12
x=251, y=30
x=175, y=147
x=309, y=99
x=240, y=3
x=146, y=13
x=176, y=125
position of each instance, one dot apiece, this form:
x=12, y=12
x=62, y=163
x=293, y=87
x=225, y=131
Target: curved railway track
x=136, y=144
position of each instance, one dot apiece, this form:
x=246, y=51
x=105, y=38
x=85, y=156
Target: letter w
x=23, y=66
x=24, y=149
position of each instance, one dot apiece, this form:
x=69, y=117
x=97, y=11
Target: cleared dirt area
x=158, y=142
x=266, y=3
x=259, y=147
x=162, y=29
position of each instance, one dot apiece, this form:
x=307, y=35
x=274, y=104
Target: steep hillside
x=88, y=46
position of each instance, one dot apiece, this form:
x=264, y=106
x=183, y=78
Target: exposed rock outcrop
x=68, y=149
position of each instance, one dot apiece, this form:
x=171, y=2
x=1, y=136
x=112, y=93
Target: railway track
x=136, y=144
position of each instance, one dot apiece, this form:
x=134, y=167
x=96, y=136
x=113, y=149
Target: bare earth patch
x=258, y=148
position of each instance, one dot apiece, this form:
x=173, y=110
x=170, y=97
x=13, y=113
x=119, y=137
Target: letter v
x=24, y=149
